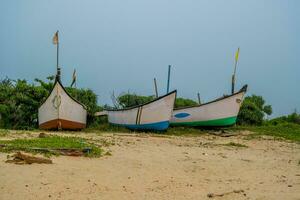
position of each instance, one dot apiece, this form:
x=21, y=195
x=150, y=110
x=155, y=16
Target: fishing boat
x=220, y=112
x=154, y=115
x=61, y=111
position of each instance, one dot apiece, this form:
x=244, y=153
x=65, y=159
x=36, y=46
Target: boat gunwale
x=243, y=89
x=57, y=81
x=133, y=107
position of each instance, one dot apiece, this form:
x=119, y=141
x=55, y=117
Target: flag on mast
x=55, y=38
x=233, y=76
x=237, y=54
x=74, y=78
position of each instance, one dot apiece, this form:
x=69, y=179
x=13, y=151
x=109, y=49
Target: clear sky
x=121, y=45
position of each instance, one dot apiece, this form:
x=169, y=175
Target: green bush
x=292, y=118
x=130, y=100
x=253, y=110
x=183, y=102
x=19, y=102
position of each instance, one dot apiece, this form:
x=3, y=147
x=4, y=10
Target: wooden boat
x=220, y=112
x=61, y=111
x=154, y=115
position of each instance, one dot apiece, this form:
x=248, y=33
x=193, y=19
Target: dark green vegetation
x=130, y=100
x=292, y=118
x=253, y=110
x=4, y=132
x=54, y=142
x=288, y=131
x=183, y=102
x=20, y=100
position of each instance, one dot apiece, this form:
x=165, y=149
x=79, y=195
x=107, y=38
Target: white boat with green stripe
x=220, y=112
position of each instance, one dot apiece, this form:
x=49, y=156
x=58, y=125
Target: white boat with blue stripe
x=154, y=115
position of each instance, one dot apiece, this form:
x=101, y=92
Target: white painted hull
x=221, y=112
x=155, y=115
x=61, y=111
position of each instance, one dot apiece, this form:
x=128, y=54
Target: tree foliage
x=253, y=110
x=19, y=102
x=291, y=118
x=130, y=100
x=184, y=102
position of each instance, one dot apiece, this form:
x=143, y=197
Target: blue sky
x=122, y=45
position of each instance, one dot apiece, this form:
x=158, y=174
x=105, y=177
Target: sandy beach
x=143, y=166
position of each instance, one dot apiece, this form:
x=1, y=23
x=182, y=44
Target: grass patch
x=287, y=131
x=106, y=127
x=52, y=143
x=4, y=132
x=233, y=144
x=177, y=131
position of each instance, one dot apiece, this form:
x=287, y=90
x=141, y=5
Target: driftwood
x=21, y=158
x=212, y=195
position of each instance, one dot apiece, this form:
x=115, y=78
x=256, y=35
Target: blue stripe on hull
x=158, y=126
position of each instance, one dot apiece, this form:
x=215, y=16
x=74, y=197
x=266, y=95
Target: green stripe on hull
x=215, y=122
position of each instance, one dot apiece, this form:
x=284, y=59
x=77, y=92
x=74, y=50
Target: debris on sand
x=21, y=158
x=64, y=151
x=212, y=195
x=43, y=135
x=224, y=133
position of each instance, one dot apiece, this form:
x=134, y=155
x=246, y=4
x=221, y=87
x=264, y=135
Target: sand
x=151, y=167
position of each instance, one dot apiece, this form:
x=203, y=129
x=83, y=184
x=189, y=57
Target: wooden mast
x=168, y=83
x=199, y=100
x=155, y=87
x=57, y=59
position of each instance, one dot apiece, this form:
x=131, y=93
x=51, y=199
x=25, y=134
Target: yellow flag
x=237, y=54
x=55, y=38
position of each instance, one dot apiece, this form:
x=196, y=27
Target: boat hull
x=158, y=126
x=62, y=124
x=229, y=121
x=61, y=111
x=154, y=115
x=221, y=112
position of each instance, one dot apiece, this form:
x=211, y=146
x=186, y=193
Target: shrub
x=292, y=118
x=183, y=102
x=253, y=110
x=130, y=100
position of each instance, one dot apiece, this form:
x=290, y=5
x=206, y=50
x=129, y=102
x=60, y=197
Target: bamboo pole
x=155, y=87
x=199, y=100
x=169, y=74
